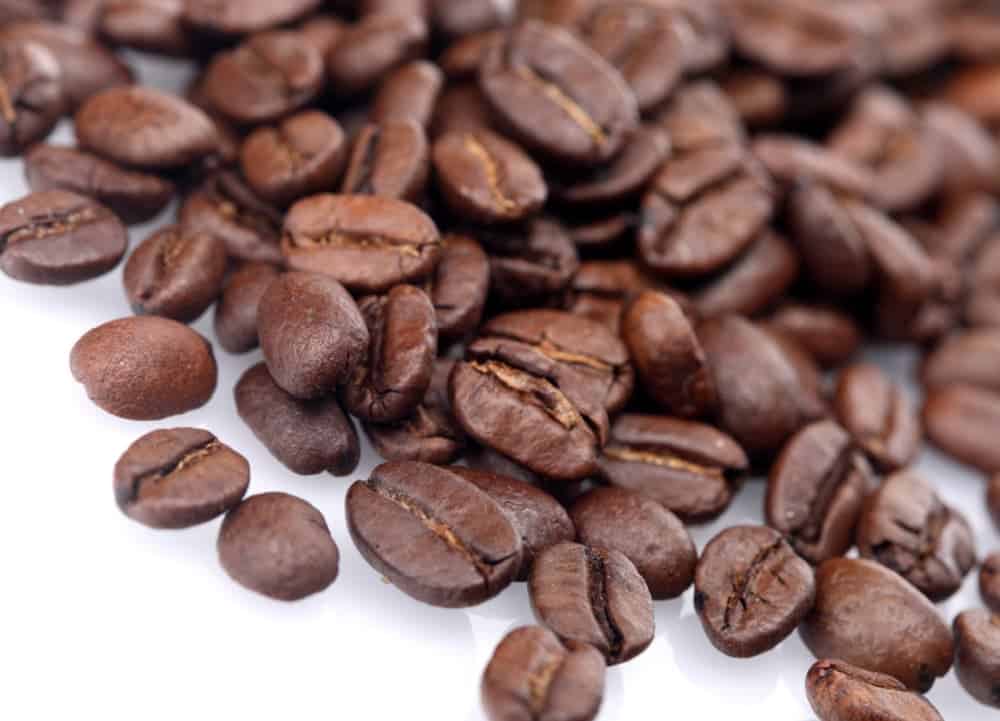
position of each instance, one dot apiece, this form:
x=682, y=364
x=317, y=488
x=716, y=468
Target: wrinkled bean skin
x=838, y=691
x=977, y=655
x=235, y=321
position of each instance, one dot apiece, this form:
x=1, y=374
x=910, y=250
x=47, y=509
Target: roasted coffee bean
x=32, y=101
x=308, y=437
x=483, y=458
x=961, y=421
x=12, y=10
x=557, y=95
x=982, y=304
x=459, y=286
x=879, y=416
x=239, y=17
x=179, y=478
x=391, y=160
x=236, y=312
x=432, y=534
x=536, y=516
x=134, y=197
x=59, y=238
x=603, y=235
x=830, y=336
x=751, y=590
x=485, y=178
x=155, y=26
x=531, y=263
x=793, y=160
x=977, y=655
x=906, y=527
x=368, y=243
x=762, y=400
x=469, y=17
x=145, y=368
x=312, y=334
x=970, y=154
x=760, y=98
x=647, y=533
x=175, y=273
x=595, y=596
x=225, y=207
x=374, y=46
x=690, y=468
x=532, y=675
x=144, y=128
x=993, y=498
x=278, y=545
x=816, y=490
x=669, y=359
x=808, y=371
x=461, y=109
x=867, y=615
x=989, y=581
x=600, y=290
x=408, y=93
x=970, y=358
x=460, y=60
x=323, y=31
x=838, y=691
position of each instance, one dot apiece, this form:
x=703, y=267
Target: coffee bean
x=434, y=535
x=600, y=289
x=977, y=655
x=145, y=368
x=907, y=528
x=810, y=377
x=144, y=128
x=391, y=160
x=960, y=421
x=59, y=238
x=312, y=334
x=970, y=358
x=879, y=416
x=132, y=196
x=970, y=155
x=529, y=264
x=751, y=590
x=239, y=17
x=792, y=160
x=483, y=458
x=408, y=93
x=865, y=614
x=12, y=10
x=487, y=179
x=982, y=304
x=838, y=691
x=690, y=468
x=459, y=286
x=373, y=47
x=179, y=478
x=989, y=581
x=235, y=320
x=322, y=31
x=32, y=100
x=558, y=96
x=176, y=274
x=368, y=243
x=460, y=60
x=278, y=545
x=567, y=13
x=829, y=335
x=533, y=675
x=470, y=17
x=667, y=355
x=461, y=109
x=759, y=98
x=993, y=498
x=816, y=490
x=155, y=26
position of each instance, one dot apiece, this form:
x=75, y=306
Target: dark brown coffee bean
x=970, y=358
x=461, y=58
x=830, y=336
x=145, y=128
x=760, y=98
x=989, y=581
x=278, y=545
x=690, y=468
x=239, y=17
x=667, y=355
x=459, y=287
x=905, y=527
x=134, y=197
x=977, y=655
x=792, y=160
x=982, y=305
x=31, y=100
x=970, y=154
x=391, y=160
x=432, y=534
x=236, y=312
x=474, y=16
x=838, y=691
x=461, y=109
x=368, y=243
x=532, y=675
x=485, y=178
x=145, y=368
x=155, y=26
x=322, y=31
x=373, y=47
x=557, y=95
x=176, y=274
x=816, y=490
x=483, y=458
x=531, y=263
x=600, y=290
x=179, y=478
x=866, y=615
x=808, y=371
x=59, y=238
x=311, y=333
x=595, y=596
x=408, y=93
x=751, y=590
x=961, y=421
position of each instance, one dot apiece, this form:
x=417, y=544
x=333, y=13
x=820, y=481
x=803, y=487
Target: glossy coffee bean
x=144, y=368
x=906, y=527
x=368, y=243
x=461, y=109
x=816, y=490
x=595, y=596
x=390, y=159
x=408, y=93
x=238, y=17
x=866, y=615
x=59, y=238
x=312, y=334
x=751, y=590
x=155, y=26
x=33, y=99
x=838, y=691
x=278, y=545
x=829, y=336
x=977, y=655
x=459, y=286
x=793, y=160
x=459, y=61
x=600, y=289
x=532, y=674
x=690, y=468
x=179, y=478
x=374, y=46
x=989, y=581
x=970, y=358
x=235, y=321
x=175, y=273
x=960, y=420
x=530, y=263
x=471, y=17
x=879, y=416
x=432, y=534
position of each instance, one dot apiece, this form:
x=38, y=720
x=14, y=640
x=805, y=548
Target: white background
x=104, y=618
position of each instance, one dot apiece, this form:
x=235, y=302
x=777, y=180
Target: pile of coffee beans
x=578, y=269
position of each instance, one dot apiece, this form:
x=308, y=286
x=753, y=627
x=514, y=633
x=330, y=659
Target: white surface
x=104, y=618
